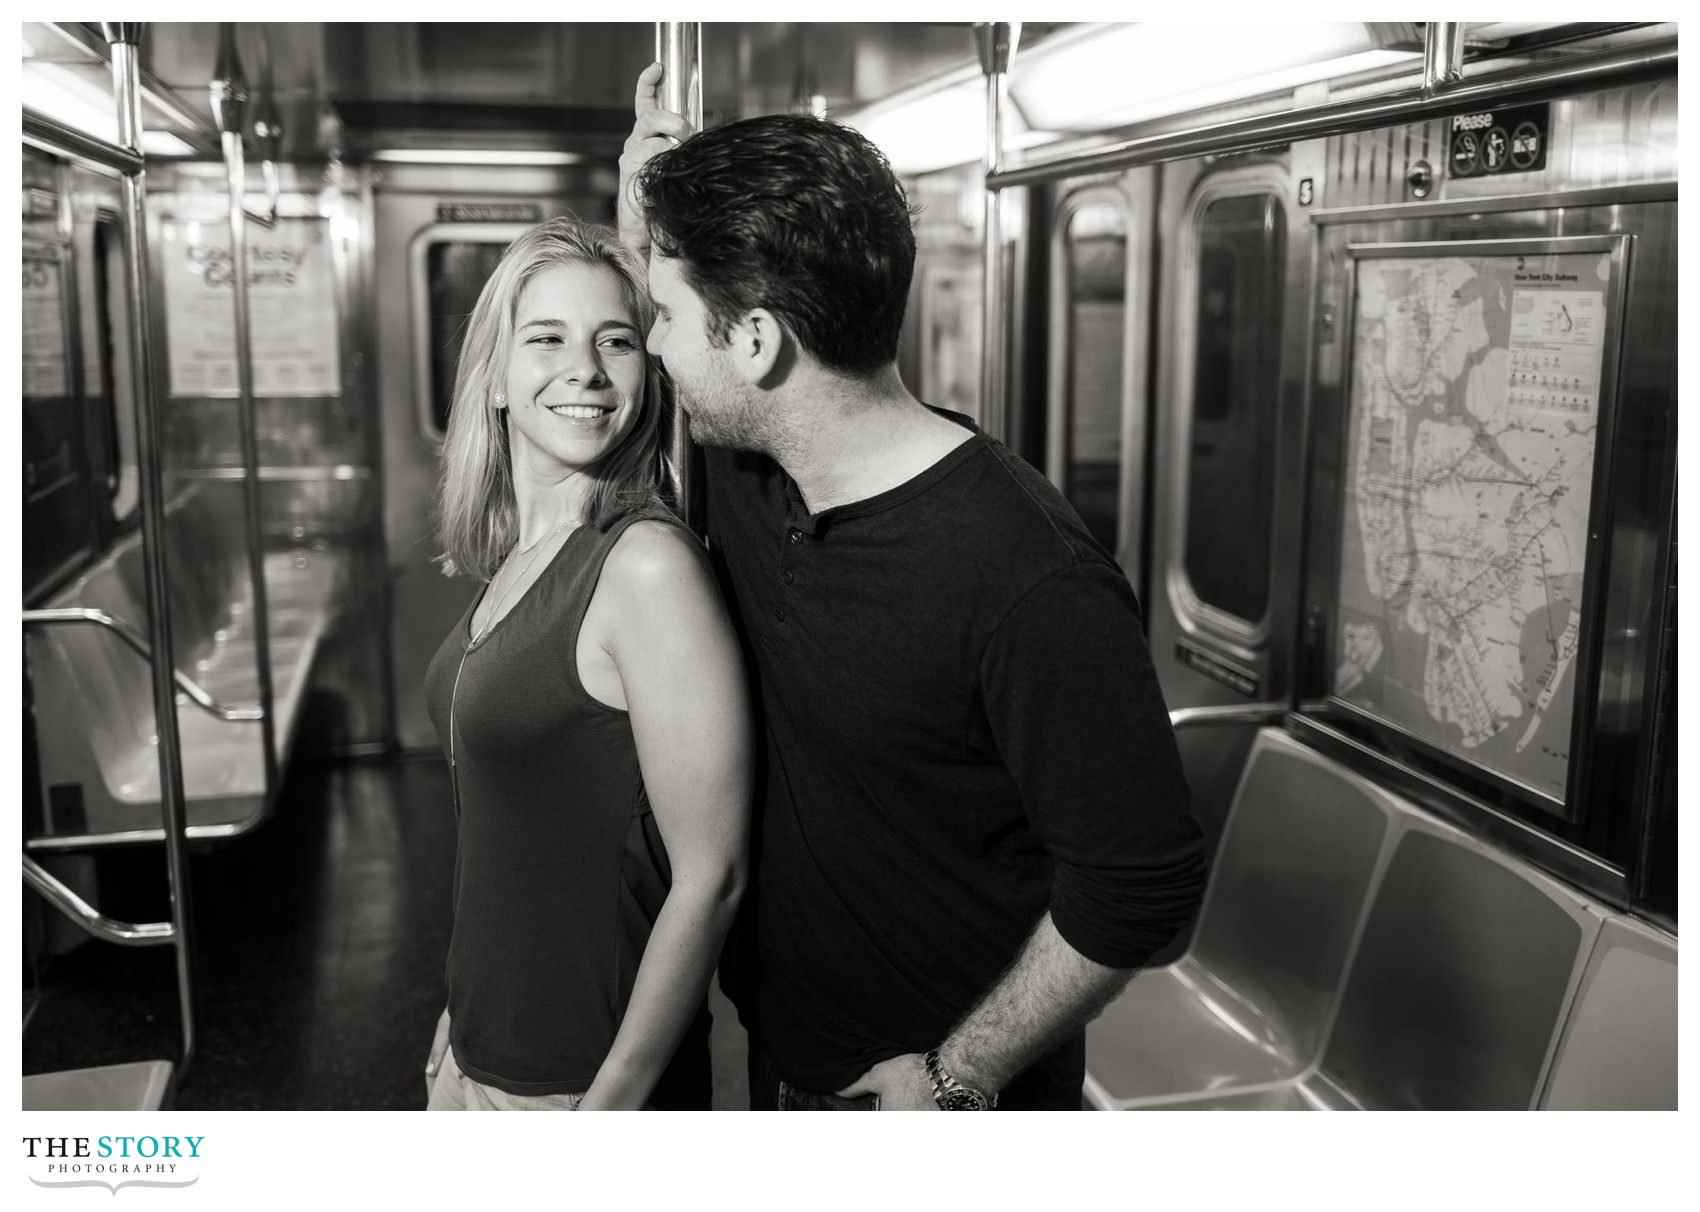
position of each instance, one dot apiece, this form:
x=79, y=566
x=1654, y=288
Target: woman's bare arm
x=677, y=657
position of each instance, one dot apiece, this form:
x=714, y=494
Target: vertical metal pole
x=996, y=41
x=678, y=47
x=268, y=134
x=229, y=102
x=1443, y=55
x=125, y=39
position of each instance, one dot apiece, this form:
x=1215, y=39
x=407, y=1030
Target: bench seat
x=1469, y=980
x=93, y=694
x=136, y=1086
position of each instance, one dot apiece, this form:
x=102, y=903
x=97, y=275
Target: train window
x=58, y=522
x=451, y=263
x=1089, y=357
x=1240, y=260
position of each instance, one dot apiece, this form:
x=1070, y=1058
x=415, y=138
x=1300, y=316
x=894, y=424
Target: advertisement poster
x=44, y=355
x=950, y=339
x=292, y=308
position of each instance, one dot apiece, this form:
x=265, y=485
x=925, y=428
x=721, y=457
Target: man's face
x=722, y=408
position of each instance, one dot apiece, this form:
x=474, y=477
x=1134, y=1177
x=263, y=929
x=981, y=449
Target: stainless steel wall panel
x=1611, y=138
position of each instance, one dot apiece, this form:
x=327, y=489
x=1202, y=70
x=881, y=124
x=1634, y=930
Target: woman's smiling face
x=575, y=373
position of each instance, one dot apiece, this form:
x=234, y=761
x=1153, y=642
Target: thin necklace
x=537, y=549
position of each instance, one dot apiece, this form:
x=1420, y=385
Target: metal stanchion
x=1443, y=56
x=996, y=41
x=678, y=46
x=125, y=38
x=230, y=102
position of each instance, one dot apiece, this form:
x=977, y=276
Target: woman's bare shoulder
x=654, y=556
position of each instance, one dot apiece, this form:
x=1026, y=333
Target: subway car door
x=1100, y=264
x=438, y=233
x=1228, y=462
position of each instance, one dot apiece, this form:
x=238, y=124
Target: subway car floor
x=320, y=940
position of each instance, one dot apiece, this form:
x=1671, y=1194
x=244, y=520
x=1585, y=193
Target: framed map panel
x=1479, y=394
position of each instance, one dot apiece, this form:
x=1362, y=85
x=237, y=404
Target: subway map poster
x=1468, y=472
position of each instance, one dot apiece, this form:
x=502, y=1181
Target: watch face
x=964, y=1100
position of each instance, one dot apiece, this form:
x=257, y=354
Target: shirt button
x=790, y=577
x=780, y=614
x=796, y=535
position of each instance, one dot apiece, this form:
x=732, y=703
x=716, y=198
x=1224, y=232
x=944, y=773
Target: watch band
x=953, y=1095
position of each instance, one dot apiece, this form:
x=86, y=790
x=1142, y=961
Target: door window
x=1240, y=266
x=451, y=263
x=1087, y=435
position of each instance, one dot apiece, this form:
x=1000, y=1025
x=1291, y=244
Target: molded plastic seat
x=1249, y=1001
x=137, y=1086
x=1456, y=992
x=1462, y=979
x=1618, y=1051
x=1456, y=967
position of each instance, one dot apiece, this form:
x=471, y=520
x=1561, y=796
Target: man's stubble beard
x=733, y=422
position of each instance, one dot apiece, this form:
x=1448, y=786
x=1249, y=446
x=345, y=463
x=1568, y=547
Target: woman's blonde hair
x=477, y=517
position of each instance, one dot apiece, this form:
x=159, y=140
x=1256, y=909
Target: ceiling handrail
x=1517, y=85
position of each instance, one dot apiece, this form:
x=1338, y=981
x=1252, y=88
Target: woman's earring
x=501, y=400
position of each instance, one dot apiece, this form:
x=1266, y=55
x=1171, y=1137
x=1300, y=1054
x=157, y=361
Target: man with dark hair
x=973, y=826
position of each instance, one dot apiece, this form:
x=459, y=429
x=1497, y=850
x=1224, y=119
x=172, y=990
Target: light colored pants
x=452, y=1090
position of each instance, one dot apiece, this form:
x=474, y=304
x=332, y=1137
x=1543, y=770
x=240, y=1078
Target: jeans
x=768, y=1092
x=1052, y=1085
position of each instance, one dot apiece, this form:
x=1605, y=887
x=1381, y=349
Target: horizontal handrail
x=1518, y=85
x=52, y=135
x=1235, y=713
x=312, y=473
x=221, y=832
x=130, y=934
x=127, y=633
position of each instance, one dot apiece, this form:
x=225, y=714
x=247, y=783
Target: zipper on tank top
x=489, y=622
x=454, y=693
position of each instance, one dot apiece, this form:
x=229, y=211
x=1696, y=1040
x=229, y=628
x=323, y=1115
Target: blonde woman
x=591, y=704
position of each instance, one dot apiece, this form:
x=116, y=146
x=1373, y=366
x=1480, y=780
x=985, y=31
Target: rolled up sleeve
x=1079, y=720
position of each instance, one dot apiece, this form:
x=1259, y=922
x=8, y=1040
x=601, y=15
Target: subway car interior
x=1355, y=343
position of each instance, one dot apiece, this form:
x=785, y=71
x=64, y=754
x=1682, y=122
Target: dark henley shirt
x=963, y=729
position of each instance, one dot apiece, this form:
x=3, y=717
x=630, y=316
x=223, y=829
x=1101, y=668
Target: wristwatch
x=952, y=1095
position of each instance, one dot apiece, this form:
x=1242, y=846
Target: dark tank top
x=559, y=867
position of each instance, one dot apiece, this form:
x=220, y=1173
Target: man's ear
x=757, y=345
